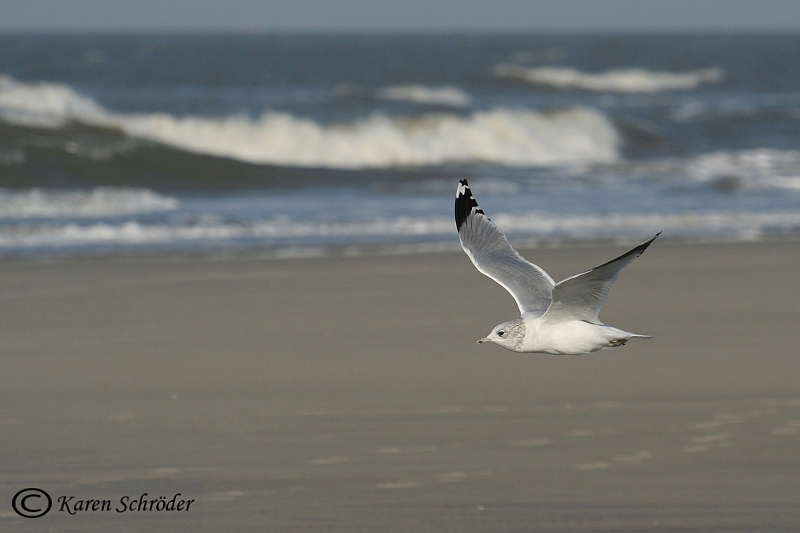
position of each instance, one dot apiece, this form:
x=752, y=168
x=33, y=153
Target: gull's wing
x=492, y=255
x=581, y=296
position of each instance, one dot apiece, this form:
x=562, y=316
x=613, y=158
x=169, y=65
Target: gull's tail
x=618, y=337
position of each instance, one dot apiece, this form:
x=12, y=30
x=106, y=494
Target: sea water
x=296, y=144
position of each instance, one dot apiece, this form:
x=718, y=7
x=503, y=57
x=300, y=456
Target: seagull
x=556, y=318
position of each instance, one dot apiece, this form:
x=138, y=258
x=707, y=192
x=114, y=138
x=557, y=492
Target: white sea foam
x=447, y=96
x=760, y=167
x=207, y=229
x=45, y=104
x=502, y=136
x=97, y=202
x=725, y=170
x=510, y=137
x=634, y=80
x=522, y=228
x=741, y=225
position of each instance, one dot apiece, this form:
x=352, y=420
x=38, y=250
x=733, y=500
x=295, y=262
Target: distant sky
x=398, y=15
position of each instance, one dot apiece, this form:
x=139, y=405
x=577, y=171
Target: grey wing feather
x=581, y=297
x=493, y=255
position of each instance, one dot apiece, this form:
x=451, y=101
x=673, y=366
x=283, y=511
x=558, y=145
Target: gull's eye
x=501, y=333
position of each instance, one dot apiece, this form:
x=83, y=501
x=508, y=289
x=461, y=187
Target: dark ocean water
x=312, y=144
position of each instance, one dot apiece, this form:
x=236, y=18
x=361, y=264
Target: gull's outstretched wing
x=580, y=297
x=492, y=255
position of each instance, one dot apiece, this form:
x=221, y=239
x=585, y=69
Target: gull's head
x=509, y=335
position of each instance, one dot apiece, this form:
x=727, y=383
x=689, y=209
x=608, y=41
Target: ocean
x=287, y=145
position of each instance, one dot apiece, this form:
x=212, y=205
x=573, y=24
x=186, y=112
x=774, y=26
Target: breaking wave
x=45, y=104
x=399, y=231
x=420, y=94
x=634, y=80
x=501, y=136
x=759, y=167
x=97, y=202
x=724, y=170
x=517, y=138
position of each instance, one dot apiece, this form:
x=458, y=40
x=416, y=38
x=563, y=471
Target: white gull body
x=556, y=318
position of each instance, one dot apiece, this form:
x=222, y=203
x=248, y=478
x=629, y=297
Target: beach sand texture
x=348, y=394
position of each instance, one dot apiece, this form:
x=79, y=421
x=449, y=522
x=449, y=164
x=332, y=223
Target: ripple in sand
x=531, y=442
x=314, y=412
x=397, y=485
x=122, y=417
x=728, y=418
x=711, y=424
x=407, y=449
x=494, y=409
x=224, y=496
x=706, y=439
x=453, y=477
x=328, y=461
x=597, y=465
x=608, y=405
x=697, y=448
x=637, y=457
x=791, y=427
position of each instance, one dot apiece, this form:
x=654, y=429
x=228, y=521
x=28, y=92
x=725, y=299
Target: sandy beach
x=348, y=395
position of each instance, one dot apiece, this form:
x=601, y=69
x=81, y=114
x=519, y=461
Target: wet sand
x=348, y=394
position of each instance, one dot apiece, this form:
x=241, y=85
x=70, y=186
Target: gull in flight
x=557, y=318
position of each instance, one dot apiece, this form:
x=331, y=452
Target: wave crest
x=634, y=80
x=759, y=167
x=420, y=94
x=500, y=136
x=508, y=137
x=398, y=232
x=47, y=105
x=97, y=202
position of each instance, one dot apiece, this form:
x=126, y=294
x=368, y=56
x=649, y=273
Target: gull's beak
x=485, y=339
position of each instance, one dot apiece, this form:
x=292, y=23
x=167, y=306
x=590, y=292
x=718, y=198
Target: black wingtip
x=465, y=203
x=642, y=247
x=639, y=250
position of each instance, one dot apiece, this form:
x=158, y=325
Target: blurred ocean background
x=295, y=144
